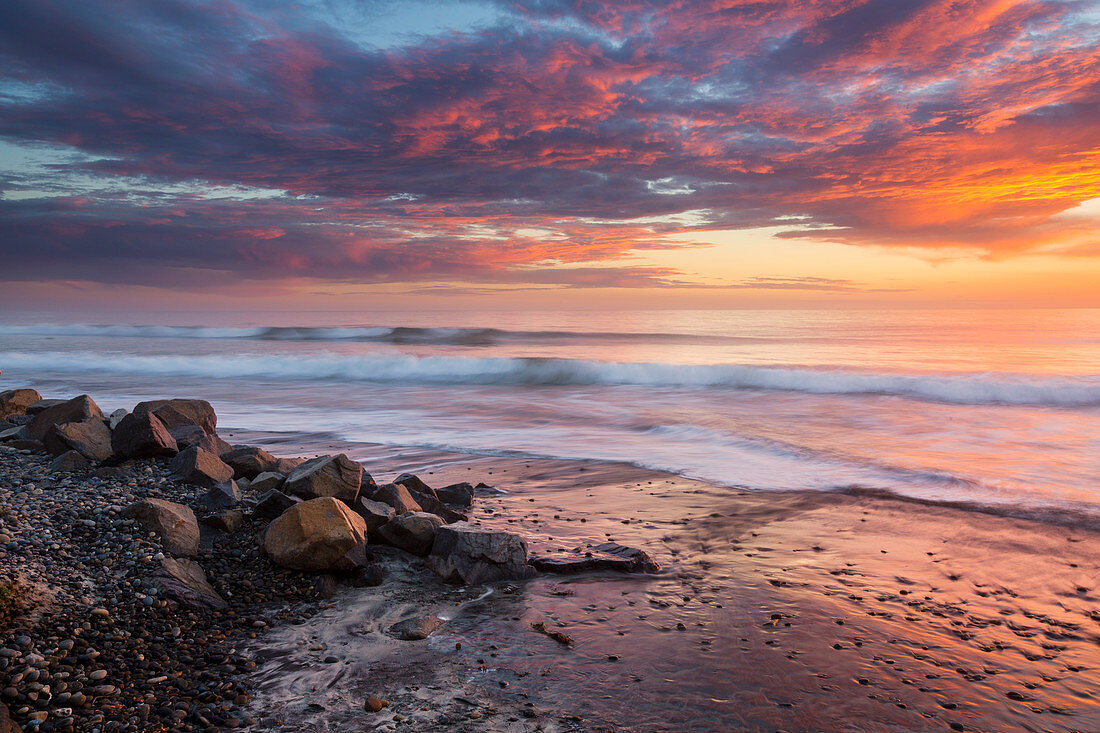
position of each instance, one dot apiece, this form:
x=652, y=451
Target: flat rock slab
x=463, y=553
x=185, y=581
x=415, y=629
x=608, y=556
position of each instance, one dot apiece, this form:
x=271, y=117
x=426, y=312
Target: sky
x=321, y=154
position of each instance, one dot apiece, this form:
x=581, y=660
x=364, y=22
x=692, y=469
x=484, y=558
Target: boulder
x=142, y=435
x=414, y=532
x=607, y=556
x=200, y=467
x=412, y=482
x=90, y=438
x=179, y=412
x=13, y=433
x=461, y=494
x=20, y=443
x=248, y=461
x=223, y=496
x=37, y=407
x=267, y=481
x=429, y=503
x=69, y=461
x=286, y=465
x=415, y=629
x=315, y=535
x=18, y=419
x=463, y=553
x=16, y=401
x=374, y=514
x=78, y=409
x=190, y=435
x=272, y=504
x=116, y=417
x=398, y=497
x=227, y=520
x=335, y=476
x=7, y=725
x=175, y=524
x=185, y=581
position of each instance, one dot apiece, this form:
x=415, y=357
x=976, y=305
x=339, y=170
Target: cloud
x=561, y=134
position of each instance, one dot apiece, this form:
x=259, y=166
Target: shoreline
x=758, y=582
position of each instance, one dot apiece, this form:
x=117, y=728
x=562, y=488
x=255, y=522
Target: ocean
x=991, y=408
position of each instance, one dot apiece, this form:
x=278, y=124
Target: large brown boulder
x=463, y=553
x=90, y=438
x=398, y=497
x=78, y=409
x=175, y=524
x=200, y=467
x=16, y=401
x=336, y=476
x=248, y=461
x=413, y=533
x=179, y=412
x=142, y=435
x=315, y=535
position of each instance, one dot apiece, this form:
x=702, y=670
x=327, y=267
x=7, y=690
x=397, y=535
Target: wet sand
x=791, y=611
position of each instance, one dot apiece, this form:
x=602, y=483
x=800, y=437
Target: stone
x=223, y=496
x=175, y=524
x=286, y=465
x=142, y=435
x=248, y=461
x=396, y=496
x=415, y=629
x=315, y=535
x=200, y=467
x=412, y=482
x=77, y=409
x=607, y=556
x=429, y=503
x=227, y=520
x=185, y=581
x=116, y=417
x=13, y=433
x=90, y=438
x=16, y=401
x=7, y=725
x=190, y=435
x=69, y=461
x=43, y=404
x=267, y=481
x=273, y=503
x=414, y=532
x=178, y=412
x=464, y=553
x=461, y=494
x=374, y=514
x=335, y=476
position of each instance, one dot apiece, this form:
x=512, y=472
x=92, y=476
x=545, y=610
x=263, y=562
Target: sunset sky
x=725, y=153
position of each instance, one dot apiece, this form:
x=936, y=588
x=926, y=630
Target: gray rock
x=461, y=494
x=249, y=461
x=185, y=581
x=415, y=629
x=374, y=513
x=335, y=476
x=69, y=461
x=116, y=417
x=267, y=481
x=200, y=467
x=44, y=404
x=142, y=435
x=227, y=520
x=223, y=496
x=396, y=496
x=175, y=524
x=13, y=433
x=272, y=504
x=414, y=533
x=607, y=556
x=179, y=412
x=463, y=553
x=77, y=409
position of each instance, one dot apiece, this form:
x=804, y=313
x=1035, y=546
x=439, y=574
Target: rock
x=142, y=435
x=222, y=496
x=315, y=535
x=116, y=417
x=7, y=725
x=429, y=503
x=227, y=520
x=190, y=435
x=12, y=433
x=272, y=504
x=77, y=409
x=368, y=576
x=412, y=482
x=335, y=476
x=286, y=465
x=185, y=581
x=179, y=412
x=608, y=556
x=200, y=467
x=90, y=438
x=267, y=481
x=373, y=704
x=415, y=629
x=174, y=523
x=396, y=496
x=463, y=553
x=461, y=494
x=374, y=514
x=69, y=461
x=248, y=461
x=413, y=533
x=24, y=444
x=37, y=407
x=16, y=401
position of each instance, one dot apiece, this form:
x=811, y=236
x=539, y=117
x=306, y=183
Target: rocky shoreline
x=139, y=552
